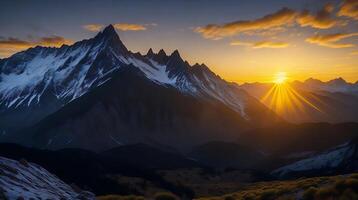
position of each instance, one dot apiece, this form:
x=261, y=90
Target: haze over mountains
x=334, y=101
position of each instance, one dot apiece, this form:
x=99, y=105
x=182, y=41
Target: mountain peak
x=110, y=36
x=338, y=80
x=150, y=53
x=175, y=54
x=108, y=31
x=312, y=81
x=162, y=53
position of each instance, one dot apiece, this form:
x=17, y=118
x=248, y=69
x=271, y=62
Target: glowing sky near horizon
x=242, y=41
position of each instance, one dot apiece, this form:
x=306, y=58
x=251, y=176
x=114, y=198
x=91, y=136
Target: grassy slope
x=344, y=187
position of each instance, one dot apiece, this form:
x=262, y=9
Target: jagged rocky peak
x=109, y=35
x=162, y=53
x=175, y=54
x=161, y=57
x=150, y=53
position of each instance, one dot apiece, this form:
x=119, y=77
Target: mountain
x=334, y=101
x=96, y=94
x=334, y=85
x=341, y=159
x=23, y=180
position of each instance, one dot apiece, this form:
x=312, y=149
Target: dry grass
x=318, y=188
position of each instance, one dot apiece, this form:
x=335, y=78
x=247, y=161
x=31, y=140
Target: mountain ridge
x=70, y=73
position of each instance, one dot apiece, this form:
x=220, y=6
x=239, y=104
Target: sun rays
x=284, y=99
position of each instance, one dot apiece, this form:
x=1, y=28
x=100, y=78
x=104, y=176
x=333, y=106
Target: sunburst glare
x=284, y=99
x=280, y=77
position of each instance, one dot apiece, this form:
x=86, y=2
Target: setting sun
x=280, y=77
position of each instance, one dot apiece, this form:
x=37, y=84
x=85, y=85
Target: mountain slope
x=115, y=114
x=341, y=159
x=23, y=180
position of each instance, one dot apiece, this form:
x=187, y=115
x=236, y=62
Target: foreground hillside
x=343, y=187
x=24, y=180
x=332, y=187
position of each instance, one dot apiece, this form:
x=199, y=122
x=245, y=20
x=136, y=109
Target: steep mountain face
x=23, y=180
x=97, y=89
x=341, y=159
x=129, y=108
x=334, y=101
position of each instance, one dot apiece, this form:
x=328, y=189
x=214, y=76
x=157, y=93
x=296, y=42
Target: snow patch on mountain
x=330, y=159
x=31, y=181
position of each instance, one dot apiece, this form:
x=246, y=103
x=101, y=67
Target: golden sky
x=242, y=41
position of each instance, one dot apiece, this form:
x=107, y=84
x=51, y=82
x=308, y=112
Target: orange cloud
x=119, y=26
x=261, y=44
x=272, y=23
x=9, y=46
x=129, y=27
x=240, y=43
x=54, y=41
x=269, y=44
x=322, y=19
x=354, y=53
x=331, y=40
x=349, y=8
x=282, y=17
x=93, y=27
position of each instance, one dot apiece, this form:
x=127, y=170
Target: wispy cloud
x=275, y=22
x=270, y=44
x=240, y=43
x=261, y=44
x=331, y=40
x=93, y=27
x=282, y=17
x=130, y=27
x=349, y=9
x=119, y=26
x=55, y=41
x=321, y=20
x=9, y=46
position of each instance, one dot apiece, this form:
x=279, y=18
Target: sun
x=280, y=77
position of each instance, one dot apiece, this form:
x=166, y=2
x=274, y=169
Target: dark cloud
x=349, y=8
x=323, y=19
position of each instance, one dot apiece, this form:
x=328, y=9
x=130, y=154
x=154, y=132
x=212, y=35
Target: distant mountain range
x=334, y=101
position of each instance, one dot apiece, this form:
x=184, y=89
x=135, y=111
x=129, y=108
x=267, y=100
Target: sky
x=240, y=40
